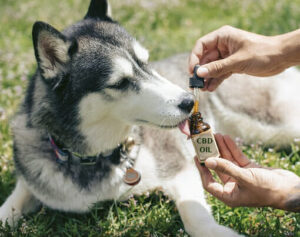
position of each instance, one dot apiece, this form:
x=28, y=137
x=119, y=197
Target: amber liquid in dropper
x=201, y=134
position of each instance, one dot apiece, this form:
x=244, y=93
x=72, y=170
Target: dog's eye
x=121, y=85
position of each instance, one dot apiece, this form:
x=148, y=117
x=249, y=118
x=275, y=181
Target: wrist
x=282, y=185
x=289, y=48
x=287, y=199
x=292, y=200
x=278, y=199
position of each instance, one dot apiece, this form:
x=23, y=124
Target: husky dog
x=93, y=89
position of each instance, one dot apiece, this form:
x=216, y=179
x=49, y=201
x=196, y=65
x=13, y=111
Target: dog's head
x=102, y=72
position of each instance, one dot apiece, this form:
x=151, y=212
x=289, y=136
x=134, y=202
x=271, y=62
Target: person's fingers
x=205, y=174
x=218, y=68
x=197, y=163
x=202, y=45
x=206, y=43
x=231, y=194
x=210, y=56
x=193, y=61
x=208, y=182
x=206, y=83
x=224, y=152
x=236, y=152
x=210, y=84
x=196, y=55
x=215, y=82
x=227, y=167
x=216, y=189
x=228, y=189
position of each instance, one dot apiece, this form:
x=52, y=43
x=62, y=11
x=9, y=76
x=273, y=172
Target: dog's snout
x=186, y=105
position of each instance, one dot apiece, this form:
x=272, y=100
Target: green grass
x=166, y=28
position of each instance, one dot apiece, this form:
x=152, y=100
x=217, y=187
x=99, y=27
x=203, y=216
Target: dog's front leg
x=21, y=201
x=186, y=189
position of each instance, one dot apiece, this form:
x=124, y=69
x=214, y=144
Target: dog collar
x=121, y=152
x=64, y=155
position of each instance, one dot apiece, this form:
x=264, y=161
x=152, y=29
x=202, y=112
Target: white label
x=205, y=145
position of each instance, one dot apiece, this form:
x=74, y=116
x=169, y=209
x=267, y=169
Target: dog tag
x=131, y=177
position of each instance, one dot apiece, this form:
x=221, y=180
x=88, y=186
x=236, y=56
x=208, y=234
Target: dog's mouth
x=184, y=127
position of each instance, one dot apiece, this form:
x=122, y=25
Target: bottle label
x=205, y=145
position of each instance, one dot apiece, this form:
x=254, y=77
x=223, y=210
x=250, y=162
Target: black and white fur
x=92, y=89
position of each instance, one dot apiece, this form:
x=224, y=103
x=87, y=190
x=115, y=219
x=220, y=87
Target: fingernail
x=202, y=72
x=211, y=163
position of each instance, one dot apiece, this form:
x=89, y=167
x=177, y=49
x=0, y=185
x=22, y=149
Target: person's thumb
x=217, y=68
x=226, y=167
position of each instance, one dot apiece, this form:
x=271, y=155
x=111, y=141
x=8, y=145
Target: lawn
x=165, y=27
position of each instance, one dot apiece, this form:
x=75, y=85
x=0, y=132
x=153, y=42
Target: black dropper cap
x=195, y=81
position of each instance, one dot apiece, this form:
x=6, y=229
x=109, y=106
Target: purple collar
x=64, y=155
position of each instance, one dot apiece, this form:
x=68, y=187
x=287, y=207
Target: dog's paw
x=213, y=230
x=223, y=231
x=10, y=216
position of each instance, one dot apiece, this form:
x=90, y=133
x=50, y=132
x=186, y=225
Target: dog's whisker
x=162, y=121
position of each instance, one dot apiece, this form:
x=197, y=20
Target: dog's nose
x=186, y=105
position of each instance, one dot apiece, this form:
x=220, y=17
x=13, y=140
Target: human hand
x=229, y=50
x=246, y=183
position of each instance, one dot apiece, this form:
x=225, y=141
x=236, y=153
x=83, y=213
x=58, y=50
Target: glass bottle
x=201, y=133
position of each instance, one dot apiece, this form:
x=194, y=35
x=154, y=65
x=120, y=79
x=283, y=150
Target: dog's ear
x=52, y=50
x=99, y=9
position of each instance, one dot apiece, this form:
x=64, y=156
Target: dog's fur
x=93, y=86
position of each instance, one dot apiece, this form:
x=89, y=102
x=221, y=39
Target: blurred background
x=165, y=27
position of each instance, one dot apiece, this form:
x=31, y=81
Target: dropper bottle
x=201, y=133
